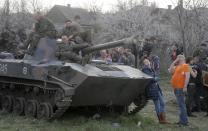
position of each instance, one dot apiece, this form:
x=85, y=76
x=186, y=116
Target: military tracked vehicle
x=42, y=86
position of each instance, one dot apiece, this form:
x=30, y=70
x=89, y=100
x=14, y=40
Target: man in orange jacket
x=179, y=82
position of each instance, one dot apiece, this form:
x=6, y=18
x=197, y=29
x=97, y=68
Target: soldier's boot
x=163, y=118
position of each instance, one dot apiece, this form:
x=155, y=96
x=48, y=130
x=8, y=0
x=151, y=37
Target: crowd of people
x=187, y=84
x=186, y=81
x=118, y=55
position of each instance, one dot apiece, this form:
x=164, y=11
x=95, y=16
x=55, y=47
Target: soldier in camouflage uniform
x=66, y=51
x=72, y=30
x=42, y=28
x=8, y=41
x=5, y=41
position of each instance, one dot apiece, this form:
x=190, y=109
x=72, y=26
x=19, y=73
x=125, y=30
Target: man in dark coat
x=191, y=88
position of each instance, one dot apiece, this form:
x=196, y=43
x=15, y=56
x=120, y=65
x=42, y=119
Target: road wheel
x=19, y=105
x=7, y=103
x=31, y=108
x=136, y=105
x=45, y=111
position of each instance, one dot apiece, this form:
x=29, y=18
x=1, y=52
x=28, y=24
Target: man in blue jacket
x=155, y=93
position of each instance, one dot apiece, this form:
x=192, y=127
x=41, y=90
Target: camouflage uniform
x=21, y=34
x=8, y=41
x=66, y=52
x=43, y=28
x=75, y=31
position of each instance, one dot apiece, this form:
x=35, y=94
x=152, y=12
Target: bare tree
x=5, y=14
x=190, y=21
x=131, y=18
x=36, y=5
x=144, y=2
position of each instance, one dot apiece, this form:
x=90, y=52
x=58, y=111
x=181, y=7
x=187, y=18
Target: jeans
x=159, y=104
x=182, y=106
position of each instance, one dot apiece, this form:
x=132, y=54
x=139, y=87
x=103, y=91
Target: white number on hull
x=24, y=70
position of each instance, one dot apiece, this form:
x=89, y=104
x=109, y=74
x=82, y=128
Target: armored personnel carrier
x=42, y=86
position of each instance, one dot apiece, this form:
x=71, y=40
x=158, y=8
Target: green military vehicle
x=42, y=86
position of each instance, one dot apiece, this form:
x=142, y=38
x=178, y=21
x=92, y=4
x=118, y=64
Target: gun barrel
x=109, y=45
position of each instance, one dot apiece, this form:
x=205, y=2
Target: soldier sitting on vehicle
x=72, y=30
x=42, y=28
x=9, y=38
x=66, y=50
x=9, y=42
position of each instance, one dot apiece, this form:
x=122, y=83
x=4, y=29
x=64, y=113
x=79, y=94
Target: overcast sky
x=105, y=4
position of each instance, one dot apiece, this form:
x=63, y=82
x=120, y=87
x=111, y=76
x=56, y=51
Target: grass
x=75, y=123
